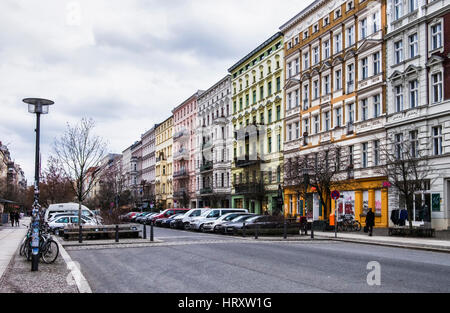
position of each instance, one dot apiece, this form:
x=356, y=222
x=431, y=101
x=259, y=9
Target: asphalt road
x=203, y=263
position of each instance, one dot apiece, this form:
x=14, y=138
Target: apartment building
x=148, y=167
x=257, y=82
x=214, y=146
x=164, y=162
x=184, y=144
x=336, y=95
x=418, y=73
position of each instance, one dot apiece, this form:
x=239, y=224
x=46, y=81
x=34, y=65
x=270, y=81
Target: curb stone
x=77, y=276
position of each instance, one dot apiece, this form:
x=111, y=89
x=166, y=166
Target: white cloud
x=124, y=63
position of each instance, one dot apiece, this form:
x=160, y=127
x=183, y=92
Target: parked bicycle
x=48, y=248
x=348, y=223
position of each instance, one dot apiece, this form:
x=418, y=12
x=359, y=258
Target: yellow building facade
x=335, y=95
x=164, y=163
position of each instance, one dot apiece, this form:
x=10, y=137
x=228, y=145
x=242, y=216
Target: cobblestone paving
x=51, y=278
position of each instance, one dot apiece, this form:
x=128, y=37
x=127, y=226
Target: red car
x=167, y=213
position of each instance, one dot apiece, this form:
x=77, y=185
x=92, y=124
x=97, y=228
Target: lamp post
x=38, y=107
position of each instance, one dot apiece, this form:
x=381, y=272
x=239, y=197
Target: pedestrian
x=16, y=218
x=370, y=221
x=12, y=218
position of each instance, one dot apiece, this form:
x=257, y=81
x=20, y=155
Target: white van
x=211, y=215
x=61, y=208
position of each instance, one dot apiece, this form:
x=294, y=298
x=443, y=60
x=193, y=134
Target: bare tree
x=79, y=150
x=406, y=167
x=56, y=185
x=324, y=171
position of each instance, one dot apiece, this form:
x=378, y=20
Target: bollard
x=117, y=233
x=151, y=231
x=243, y=230
x=312, y=230
x=80, y=234
x=285, y=230
x=256, y=232
x=144, y=232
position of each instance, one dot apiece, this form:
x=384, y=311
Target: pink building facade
x=184, y=146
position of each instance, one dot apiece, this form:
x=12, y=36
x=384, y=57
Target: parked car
x=213, y=214
x=146, y=220
x=177, y=222
x=140, y=218
x=212, y=226
x=167, y=213
x=166, y=222
x=184, y=221
x=264, y=221
x=127, y=217
x=63, y=221
x=220, y=228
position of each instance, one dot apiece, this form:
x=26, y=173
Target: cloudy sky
x=126, y=64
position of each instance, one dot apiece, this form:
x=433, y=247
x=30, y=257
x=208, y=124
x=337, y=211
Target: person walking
x=12, y=218
x=16, y=218
x=370, y=221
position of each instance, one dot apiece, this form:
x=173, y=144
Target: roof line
x=300, y=15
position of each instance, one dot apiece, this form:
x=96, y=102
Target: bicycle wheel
x=356, y=226
x=50, y=251
x=22, y=246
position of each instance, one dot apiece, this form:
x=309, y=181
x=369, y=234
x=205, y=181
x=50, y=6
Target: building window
x=289, y=132
x=338, y=80
x=398, y=9
x=270, y=115
x=376, y=63
x=296, y=98
x=269, y=88
x=305, y=60
x=269, y=144
x=412, y=5
x=289, y=100
x=261, y=92
x=297, y=130
x=437, y=140
x=364, y=160
x=326, y=49
x=364, y=110
x=414, y=143
x=376, y=152
x=351, y=113
x=337, y=14
x=278, y=113
x=316, y=124
x=297, y=65
x=338, y=117
x=375, y=21
x=337, y=43
x=316, y=89
x=365, y=68
x=413, y=94
x=350, y=36
x=413, y=49
x=326, y=21
x=436, y=36
x=278, y=84
x=305, y=97
x=376, y=106
x=399, y=98
x=436, y=80
x=350, y=74
x=327, y=84
x=316, y=55
x=363, y=26
x=350, y=155
x=398, y=50
x=327, y=121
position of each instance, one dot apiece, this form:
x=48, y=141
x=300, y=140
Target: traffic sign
x=335, y=195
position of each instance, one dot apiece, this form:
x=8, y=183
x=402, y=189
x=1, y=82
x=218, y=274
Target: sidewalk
x=400, y=242
x=10, y=239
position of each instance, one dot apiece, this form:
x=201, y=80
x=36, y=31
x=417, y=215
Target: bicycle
x=348, y=223
x=48, y=248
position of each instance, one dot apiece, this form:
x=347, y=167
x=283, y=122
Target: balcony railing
x=256, y=188
x=180, y=174
x=181, y=154
x=207, y=166
x=220, y=120
x=183, y=134
x=248, y=160
x=206, y=191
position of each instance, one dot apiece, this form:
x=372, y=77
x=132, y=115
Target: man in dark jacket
x=370, y=221
x=12, y=217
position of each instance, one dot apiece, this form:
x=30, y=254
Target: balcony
x=248, y=160
x=181, y=135
x=180, y=194
x=182, y=154
x=181, y=174
x=206, y=191
x=256, y=188
x=207, y=166
x=220, y=120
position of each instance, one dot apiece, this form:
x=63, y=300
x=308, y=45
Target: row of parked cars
x=224, y=221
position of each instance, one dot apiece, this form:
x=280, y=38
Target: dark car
x=262, y=222
x=221, y=228
x=167, y=213
x=166, y=222
x=141, y=217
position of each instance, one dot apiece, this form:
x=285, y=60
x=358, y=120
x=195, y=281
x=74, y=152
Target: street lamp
x=36, y=106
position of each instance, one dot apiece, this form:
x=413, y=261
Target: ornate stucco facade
x=163, y=167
